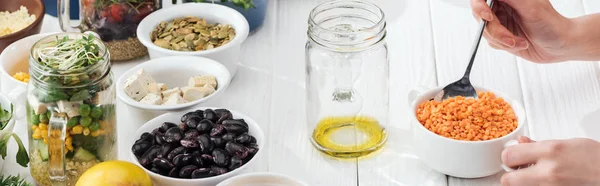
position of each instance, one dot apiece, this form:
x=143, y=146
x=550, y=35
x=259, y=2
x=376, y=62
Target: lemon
x=114, y=173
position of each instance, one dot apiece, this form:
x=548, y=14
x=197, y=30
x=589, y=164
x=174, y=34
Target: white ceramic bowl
x=175, y=117
x=5, y=102
x=175, y=71
x=227, y=54
x=464, y=159
x=262, y=179
x=12, y=60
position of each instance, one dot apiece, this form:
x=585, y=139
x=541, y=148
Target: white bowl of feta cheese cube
x=172, y=83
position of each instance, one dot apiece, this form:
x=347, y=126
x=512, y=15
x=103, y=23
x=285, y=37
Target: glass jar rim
x=37, y=67
x=322, y=7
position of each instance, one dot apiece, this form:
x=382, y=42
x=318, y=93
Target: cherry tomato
x=117, y=11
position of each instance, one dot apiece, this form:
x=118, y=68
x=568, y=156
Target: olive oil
x=348, y=136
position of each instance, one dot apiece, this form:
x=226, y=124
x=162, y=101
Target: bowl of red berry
x=115, y=21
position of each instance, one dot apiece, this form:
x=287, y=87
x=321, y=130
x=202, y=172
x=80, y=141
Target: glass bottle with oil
x=347, y=78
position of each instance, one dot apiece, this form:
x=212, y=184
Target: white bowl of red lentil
x=450, y=136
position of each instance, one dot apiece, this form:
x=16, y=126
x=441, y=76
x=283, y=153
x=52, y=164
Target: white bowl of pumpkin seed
x=195, y=29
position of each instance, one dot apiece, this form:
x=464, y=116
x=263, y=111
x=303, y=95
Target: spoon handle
x=482, y=25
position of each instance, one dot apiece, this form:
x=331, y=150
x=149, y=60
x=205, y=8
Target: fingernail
x=487, y=15
x=508, y=41
x=523, y=44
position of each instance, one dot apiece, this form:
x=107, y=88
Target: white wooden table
x=429, y=43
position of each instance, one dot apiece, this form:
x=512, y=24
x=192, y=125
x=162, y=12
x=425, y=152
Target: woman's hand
x=530, y=29
x=556, y=163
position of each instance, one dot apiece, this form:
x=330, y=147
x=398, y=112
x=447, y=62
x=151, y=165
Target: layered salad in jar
x=116, y=22
x=70, y=108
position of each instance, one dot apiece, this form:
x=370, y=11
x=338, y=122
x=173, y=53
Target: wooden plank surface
x=557, y=96
x=412, y=63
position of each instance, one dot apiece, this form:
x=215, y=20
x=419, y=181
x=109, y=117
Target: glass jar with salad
x=115, y=21
x=70, y=108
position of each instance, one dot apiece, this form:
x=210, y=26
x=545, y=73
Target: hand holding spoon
x=463, y=86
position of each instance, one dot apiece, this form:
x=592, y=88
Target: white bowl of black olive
x=201, y=146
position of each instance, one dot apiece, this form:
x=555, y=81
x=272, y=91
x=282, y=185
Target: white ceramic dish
x=175, y=71
x=5, y=102
x=227, y=54
x=262, y=179
x=464, y=159
x=175, y=117
x=12, y=60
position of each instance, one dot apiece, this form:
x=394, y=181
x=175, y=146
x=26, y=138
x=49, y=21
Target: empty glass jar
x=347, y=78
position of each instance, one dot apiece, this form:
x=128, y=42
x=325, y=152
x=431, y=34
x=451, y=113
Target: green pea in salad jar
x=70, y=108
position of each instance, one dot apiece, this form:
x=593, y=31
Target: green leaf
x=22, y=156
x=81, y=95
x=5, y=116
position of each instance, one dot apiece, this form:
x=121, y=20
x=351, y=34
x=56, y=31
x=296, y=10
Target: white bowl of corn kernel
x=14, y=71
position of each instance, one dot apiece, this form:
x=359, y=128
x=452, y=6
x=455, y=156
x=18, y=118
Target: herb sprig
x=22, y=156
x=13, y=181
x=246, y=4
x=69, y=54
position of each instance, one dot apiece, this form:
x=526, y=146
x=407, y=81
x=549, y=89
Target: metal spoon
x=463, y=86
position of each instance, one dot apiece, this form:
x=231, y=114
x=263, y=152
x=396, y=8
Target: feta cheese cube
x=161, y=87
x=36, y=105
x=200, y=81
x=152, y=99
x=167, y=93
x=139, y=85
x=102, y=98
x=192, y=93
x=207, y=90
x=174, y=99
x=70, y=108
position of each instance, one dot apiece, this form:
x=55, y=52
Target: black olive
x=207, y=159
x=159, y=138
x=156, y=170
x=173, y=135
x=200, y=112
x=235, y=128
x=182, y=160
x=205, y=144
x=141, y=147
x=236, y=149
x=205, y=126
x=252, y=150
x=235, y=163
x=241, y=122
x=229, y=137
x=214, y=170
x=218, y=141
x=197, y=160
x=192, y=133
x=196, y=153
x=186, y=172
x=163, y=164
x=165, y=149
x=183, y=127
x=166, y=126
x=192, y=122
x=223, y=115
x=244, y=139
x=174, y=173
x=147, y=158
x=217, y=130
x=220, y=157
x=190, y=143
x=201, y=173
x=175, y=152
x=188, y=115
x=155, y=131
x=147, y=137
x=210, y=115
